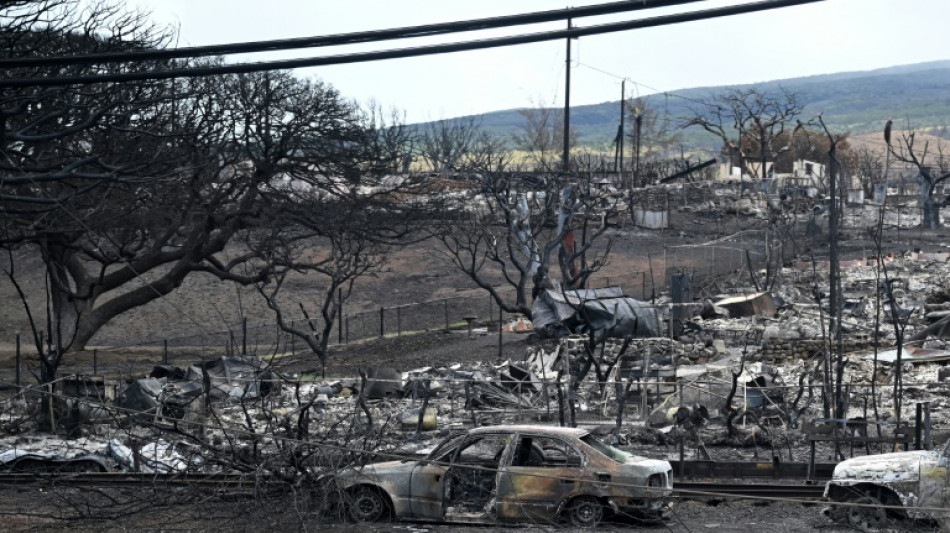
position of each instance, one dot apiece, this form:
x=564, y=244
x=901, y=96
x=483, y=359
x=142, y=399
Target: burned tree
x=869, y=166
x=78, y=159
x=652, y=135
x=514, y=228
x=932, y=170
x=124, y=190
x=541, y=137
x=749, y=122
x=448, y=145
x=334, y=239
x=507, y=226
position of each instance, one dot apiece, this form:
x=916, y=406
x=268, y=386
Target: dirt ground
x=688, y=516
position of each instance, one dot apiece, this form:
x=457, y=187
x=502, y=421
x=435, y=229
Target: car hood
x=886, y=467
x=379, y=470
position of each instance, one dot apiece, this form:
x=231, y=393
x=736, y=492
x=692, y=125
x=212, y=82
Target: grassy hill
x=858, y=102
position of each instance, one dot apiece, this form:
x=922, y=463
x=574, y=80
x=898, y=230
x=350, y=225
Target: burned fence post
x=425, y=405
x=622, y=391
x=680, y=294
x=501, y=329
x=361, y=400
x=52, y=414
x=382, y=322
x=755, y=281
x=136, y=454
x=468, y=402
x=560, y=399
x=18, y=378
x=244, y=336
x=206, y=385
x=928, y=442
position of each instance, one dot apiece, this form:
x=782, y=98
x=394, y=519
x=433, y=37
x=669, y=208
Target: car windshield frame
x=441, y=449
x=614, y=454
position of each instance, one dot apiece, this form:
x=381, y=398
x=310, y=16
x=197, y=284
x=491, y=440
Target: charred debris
x=747, y=374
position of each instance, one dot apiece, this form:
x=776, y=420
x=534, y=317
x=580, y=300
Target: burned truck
x=877, y=490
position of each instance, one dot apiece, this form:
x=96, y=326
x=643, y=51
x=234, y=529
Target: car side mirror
x=573, y=461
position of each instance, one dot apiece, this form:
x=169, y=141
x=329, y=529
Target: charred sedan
x=511, y=474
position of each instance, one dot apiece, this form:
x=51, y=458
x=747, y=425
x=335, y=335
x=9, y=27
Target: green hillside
x=852, y=101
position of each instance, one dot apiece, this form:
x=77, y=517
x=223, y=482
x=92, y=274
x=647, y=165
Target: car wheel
x=867, y=514
x=585, y=511
x=30, y=464
x=367, y=505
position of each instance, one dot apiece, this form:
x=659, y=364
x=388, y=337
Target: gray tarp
x=233, y=377
x=611, y=314
x=141, y=394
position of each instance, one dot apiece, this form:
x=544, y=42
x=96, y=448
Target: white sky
x=827, y=37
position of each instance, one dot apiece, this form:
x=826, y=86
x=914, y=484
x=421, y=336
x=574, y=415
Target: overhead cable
x=347, y=38
x=362, y=57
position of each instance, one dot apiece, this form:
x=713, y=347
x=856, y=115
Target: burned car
x=879, y=489
x=510, y=474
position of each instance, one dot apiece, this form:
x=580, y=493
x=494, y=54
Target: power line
x=654, y=89
x=348, y=38
x=398, y=53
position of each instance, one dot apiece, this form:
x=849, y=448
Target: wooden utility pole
x=566, y=156
x=636, y=152
x=623, y=95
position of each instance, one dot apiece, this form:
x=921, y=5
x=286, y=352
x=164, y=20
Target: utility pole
x=623, y=95
x=636, y=151
x=566, y=156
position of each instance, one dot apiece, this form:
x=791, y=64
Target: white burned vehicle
x=879, y=489
x=510, y=474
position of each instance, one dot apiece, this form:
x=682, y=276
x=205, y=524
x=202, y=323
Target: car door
x=543, y=472
x=426, y=485
x=470, y=485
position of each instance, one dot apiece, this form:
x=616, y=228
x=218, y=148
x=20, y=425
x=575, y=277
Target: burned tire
x=866, y=514
x=30, y=464
x=585, y=511
x=366, y=504
x=81, y=465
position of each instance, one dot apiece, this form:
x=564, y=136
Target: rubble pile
x=238, y=407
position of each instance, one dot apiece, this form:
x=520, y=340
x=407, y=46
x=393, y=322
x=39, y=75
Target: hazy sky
x=830, y=36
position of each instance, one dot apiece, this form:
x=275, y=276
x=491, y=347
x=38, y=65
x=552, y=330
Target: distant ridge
x=857, y=102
